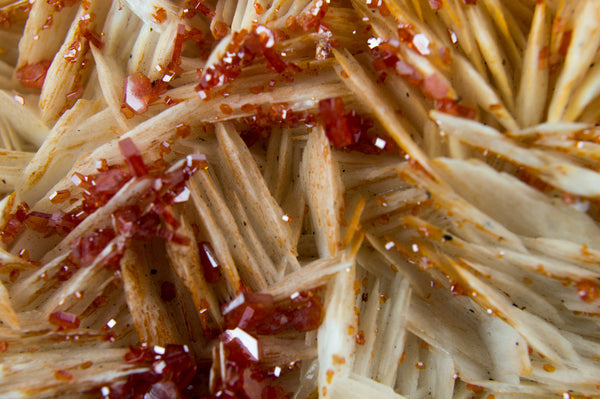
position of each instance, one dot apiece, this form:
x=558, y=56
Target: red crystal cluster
x=139, y=91
x=310, y=19
x=64, y=320
x=129, y=222
x=246, y=317
x=59, y=4
x=261, y=122
x=133, y=222
x=245, y=378
x=33, y=75
x=197, y=6
x=171, y=374
x=242, y=50
x=432, y=86
x=350, y=131
x=259, y=313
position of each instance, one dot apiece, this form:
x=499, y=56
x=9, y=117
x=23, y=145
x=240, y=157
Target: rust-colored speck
x=549, y=368
x=329, y=374
x=588, y=290
x=337, y=359
x=476, y=389
x=63, y=375
x=160, y=14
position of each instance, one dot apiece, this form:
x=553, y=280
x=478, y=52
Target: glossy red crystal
x=305, y=311
x=248, y=311
x=258, y=313
x=38, y=221
x=85, y=249
x=453, y=107
x=435, y=87
x=180, y=37
x=110, y=181
x=133, y=158
x=333, y=113
x=183, y=130
x=33, y=75
x=64, y=320
x=199, y=6
x=59, y=196
x=171, y=370
x=14, y=224
x=63, y=223
x=243, y=375
x=435, y=4
x=93, y=38
x=242, y=348
x=312, y=19
x=138, y=92
x=125, y=220
x=243, y=49
x=210, y=263
x=66, y=270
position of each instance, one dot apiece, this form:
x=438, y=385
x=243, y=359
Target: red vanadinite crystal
x=59, y=196
x=33, y=75
x=241, y=51
x=435, y=87
x=66, y=270
x=199, y=6
x=93, y=38
x=312, y=19
x=73, y=51
x=85, y=249
x=14, y=224
x=180, y=37
x=64, y=320
x=138, y=92
x=350, y=131
x=133, y=158
x=63, y=223
x=258, y=312
x=260, y=124
x=129, y=222
x=248, y=310
x=210, y=263
x=171, y=374
x=242, y=348
x=107, y=183
x=435, y=4
x=243, y=375
x=305, y=311
x=38, y=221
x=333, y=114
x=183, y=130
x=452, y=107
x=125, y=220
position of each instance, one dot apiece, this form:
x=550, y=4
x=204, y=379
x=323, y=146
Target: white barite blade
x=323, y=189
